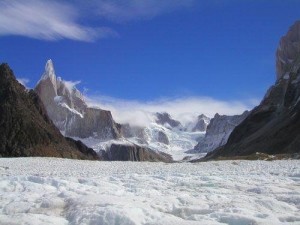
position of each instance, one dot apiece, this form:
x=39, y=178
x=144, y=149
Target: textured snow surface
x=59, y=191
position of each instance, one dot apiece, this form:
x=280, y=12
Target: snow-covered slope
x=178, y=141
x=218, y=131
x=65, y=105
x=44, y=191
x=175, y=142
x=165, y=134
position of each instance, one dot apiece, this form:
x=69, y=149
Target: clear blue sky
x=136, y=50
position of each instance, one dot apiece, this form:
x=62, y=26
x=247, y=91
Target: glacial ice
x=61, y=191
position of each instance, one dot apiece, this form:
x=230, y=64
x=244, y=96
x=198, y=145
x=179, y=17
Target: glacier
x=47, y=191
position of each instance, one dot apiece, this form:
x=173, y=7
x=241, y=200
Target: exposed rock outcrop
x=25, y=128
x=166, y=120
x=95, y=123
x=138, y=133
x=201, y=124
x=273, y=127
x=162, y=138
x=218, y=131
x=288, y=50
x=121, y=152
x=167, y=134
x=66, y=107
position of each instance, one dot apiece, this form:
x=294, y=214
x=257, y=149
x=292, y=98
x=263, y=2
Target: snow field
x=180, y=142
x=60, y=191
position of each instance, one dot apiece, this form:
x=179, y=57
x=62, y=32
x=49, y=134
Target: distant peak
x=288, y=51
x=202, y=116
x=49, y=72
x=49, y=68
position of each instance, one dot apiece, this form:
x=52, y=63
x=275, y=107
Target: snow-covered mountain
x=199, y=125
x=218, y=131
x=174, y=141
x=68, y=110
x=164, y=134
x=96, y=127
x=25, y=128
x=66, y=107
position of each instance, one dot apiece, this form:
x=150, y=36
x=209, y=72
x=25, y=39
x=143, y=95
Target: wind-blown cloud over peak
x=71, y=84
x=23, y=81
x=184, y=109
x=47, y=20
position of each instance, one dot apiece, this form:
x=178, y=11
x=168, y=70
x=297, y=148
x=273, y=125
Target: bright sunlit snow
x=179, y=141
x=60, y=191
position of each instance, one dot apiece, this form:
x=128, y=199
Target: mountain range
x=96, y=127
x=25, y=128
x=45, y=121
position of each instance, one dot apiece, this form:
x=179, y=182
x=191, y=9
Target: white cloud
x=55, y=20
x=23, y=81
x=124, y=10
x=71, y=84
x=183, y=109
x=47, y=20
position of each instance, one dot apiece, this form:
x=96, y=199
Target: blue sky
x=145, y=51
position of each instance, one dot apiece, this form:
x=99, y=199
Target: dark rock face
x=165, y=119
x=163, y=138
x=202, y=123
x=25, y=128
x=83, y=148
x=288, y=51
x=273, y=127
x=95, y=123
x=120, y=152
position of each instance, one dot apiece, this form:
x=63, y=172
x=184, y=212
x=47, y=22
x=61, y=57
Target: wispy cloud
x=55, y=20
x=23, y=81
x=183, y=109
x=125, y=10
x=47, y=20
x=71, y=84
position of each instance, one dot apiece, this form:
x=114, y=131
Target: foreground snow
x=59, y=191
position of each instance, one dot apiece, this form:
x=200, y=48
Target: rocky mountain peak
x=288, y=51
x=218, y=130
x=26, y=129
x=273, y=127
x=6, y=74
x=49, y=68
x=66, y=107
x=166, y=119
x=202, y=116
x=202, y=123
x=49, y=72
